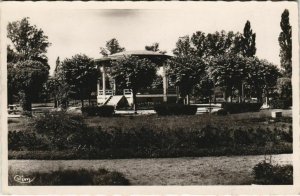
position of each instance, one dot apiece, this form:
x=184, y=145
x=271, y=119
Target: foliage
x=285, y=43
x=284, y=88
x=144, y=139
x=229, y=71
x=104, y=110
x=134, y=73
x=154, y=47
x=280, y=104
x=248, y=48
x=28, y=77
x=112, y=47
x=27, y=63
x=72, y=177
x=233, y=108
x=29, y=42
x=80, y=74
x=269, y=174
x=175, y=109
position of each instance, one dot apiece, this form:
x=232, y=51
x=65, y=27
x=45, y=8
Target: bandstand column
x=103, y=81
x=165, y=84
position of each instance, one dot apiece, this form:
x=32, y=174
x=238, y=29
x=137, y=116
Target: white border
x=129, y=190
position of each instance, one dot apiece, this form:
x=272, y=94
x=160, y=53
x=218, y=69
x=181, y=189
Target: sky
x=74, y=31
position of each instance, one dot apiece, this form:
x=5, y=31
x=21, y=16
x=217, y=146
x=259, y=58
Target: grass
x=223, y=170
x=67, y=177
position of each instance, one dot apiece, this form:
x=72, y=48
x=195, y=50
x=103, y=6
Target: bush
x=73, y=177
x=221, y=112
x=105, y=110
x=280, y=104
x=233, y=108
x=266, y=173
x=175, y=109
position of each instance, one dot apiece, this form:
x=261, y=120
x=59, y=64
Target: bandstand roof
x=141, y=53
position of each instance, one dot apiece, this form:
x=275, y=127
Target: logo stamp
x=23, y=180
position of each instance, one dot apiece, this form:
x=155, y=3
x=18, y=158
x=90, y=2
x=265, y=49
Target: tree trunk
x=134, y=101
x=82, y=102
x=25, y=101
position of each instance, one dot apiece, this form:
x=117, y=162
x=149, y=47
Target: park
x=210, y=113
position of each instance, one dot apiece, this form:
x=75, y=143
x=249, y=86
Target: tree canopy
x=112, y=46
x=28, y=41
x=80, y=73
x=28, y=67
x=134, y=73
x=285, y=43
x=248, y=47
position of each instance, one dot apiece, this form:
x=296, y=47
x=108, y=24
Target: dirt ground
x=221, y=170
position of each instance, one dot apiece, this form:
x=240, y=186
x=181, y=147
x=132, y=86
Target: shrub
x=233, y=108
x=280, y=104
x=266, y=173
x=105, y=110
x=73, y=177
x=221, y=112
x=175, y=109
x=22, y=140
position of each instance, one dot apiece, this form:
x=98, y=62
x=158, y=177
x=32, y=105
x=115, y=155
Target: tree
x=248, y=47
x=29, y=47
x=229, y=72
x=154, y=47
x=29, y=42
x=186, y=71
x=285, y=43
x=80, y=74
x=134, y=73
x=29, y=77
x=112, y=47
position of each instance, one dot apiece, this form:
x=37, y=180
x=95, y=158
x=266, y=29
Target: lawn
x=233, y=170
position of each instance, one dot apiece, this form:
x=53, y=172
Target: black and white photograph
x=173, y=94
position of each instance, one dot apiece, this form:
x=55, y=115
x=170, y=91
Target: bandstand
x=107, y=92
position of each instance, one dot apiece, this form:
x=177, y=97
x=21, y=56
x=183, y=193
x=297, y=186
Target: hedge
x=104, y=110
x=175, y=109
x=280, y=104
x=233, y=108
x=268, y=174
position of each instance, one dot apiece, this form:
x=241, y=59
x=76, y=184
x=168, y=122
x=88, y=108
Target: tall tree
x=28, y=67
x=248, y=45
x=285, y=43
x=111, y=47
x=134, y=73
x=28, y=41
x=80, y=74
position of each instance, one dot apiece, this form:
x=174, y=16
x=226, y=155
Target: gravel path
x=165, y=171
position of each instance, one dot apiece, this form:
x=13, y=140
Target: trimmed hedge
x=266, y=173
x=233, y=108
x=105, y=110
x=175, y=109
x=280, y=104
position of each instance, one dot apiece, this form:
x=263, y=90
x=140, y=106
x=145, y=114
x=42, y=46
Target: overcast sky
x=73, y=31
